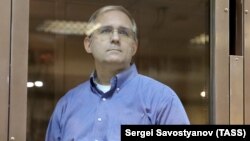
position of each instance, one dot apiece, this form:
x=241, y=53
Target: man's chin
x=115, y=61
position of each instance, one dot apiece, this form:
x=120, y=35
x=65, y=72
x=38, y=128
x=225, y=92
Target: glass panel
x=174, y=49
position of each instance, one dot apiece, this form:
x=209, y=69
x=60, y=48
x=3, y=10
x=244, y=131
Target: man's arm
x=53, y=132
x=171, y=110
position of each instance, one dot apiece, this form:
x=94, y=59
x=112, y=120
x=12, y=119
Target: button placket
x=100, y=123
x=99, y=119
x=117, y=90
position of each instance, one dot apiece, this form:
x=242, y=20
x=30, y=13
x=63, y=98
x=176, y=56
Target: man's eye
x=105, y=31
x=123, y=32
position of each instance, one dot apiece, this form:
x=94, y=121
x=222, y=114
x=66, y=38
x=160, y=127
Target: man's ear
x=134, y=47
x=87, y=44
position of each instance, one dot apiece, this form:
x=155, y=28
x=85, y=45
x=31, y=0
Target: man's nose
x=115, y=36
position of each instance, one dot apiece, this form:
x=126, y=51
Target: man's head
x=115, y=41
x=105, y=9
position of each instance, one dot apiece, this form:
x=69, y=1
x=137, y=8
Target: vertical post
x=19, y=69
x=220, y=61
x=236, y=62
x=247, y=62
x=236, y=89
x=5, y=14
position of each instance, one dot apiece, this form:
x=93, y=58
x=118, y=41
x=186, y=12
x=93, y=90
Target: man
x=115, y=94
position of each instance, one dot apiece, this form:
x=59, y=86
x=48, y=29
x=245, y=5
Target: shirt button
x=117, y=89
x=99, y=119
x=104, y=99
x=96, y=140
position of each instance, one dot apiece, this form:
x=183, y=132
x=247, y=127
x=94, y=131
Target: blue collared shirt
x=87, y=114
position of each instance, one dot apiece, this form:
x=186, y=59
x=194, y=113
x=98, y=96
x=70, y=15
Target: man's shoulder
x=72, y=95
x=152, y=81
x=80, y=86
x=73, y=92
x=156, y=85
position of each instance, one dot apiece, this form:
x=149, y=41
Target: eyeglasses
x=108, y=31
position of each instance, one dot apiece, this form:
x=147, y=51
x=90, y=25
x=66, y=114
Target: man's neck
x=106, y=72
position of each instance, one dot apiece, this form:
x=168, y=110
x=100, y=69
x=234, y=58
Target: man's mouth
x=118, y=50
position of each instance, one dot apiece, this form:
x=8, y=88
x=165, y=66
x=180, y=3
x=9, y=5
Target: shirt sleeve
x=171, y=110
x=54, y=128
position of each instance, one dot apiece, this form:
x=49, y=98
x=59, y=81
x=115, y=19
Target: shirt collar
x=126, y=75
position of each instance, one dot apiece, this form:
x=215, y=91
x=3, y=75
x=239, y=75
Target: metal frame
x=5, y=14
x=220, y=62
x=18, y=70
x=14, y=51
x=236, y=89
x=247, y=62
x=236, y=64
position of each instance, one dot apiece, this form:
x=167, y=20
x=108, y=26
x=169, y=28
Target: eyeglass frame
x=109, y=31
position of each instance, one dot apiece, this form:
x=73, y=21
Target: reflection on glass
x=174, y=49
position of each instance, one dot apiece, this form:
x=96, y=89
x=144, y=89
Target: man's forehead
x=112, y=14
